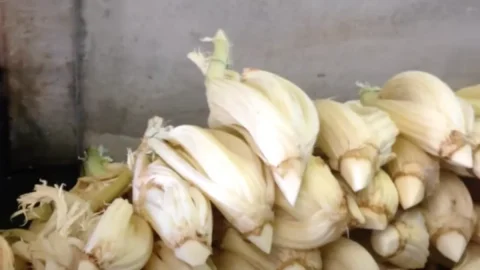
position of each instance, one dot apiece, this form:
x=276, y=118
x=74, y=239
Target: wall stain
x=26, y=85
x=23, y=94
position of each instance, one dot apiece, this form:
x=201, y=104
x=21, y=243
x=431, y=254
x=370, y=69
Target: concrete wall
x=36, y=43
x=134, y=62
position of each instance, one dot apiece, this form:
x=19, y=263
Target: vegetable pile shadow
x=23, y=181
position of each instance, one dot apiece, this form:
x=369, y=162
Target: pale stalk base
x=294, y=266
x=374, y=221
x=264, y=240
x=476, y=162
x=462, y=157
x=87, y=265
x=357, y=172
x=355, y=211
x=452, y=245
x=411, y=190
x=288, y=177
x=333, y=163
x=193, y=253
x=386, y=243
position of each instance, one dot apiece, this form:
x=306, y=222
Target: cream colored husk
x=427, y=112
x=345, y=139
x=278, y=116
x=405, y=242
x=450, y=216
x=320, y=214
x=178, y=212
x=378, y=202
x=240, y=189
x=414, y=172
x=346, y=254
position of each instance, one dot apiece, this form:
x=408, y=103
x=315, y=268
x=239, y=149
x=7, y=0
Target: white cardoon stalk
x=228, y=173
x=177, y=211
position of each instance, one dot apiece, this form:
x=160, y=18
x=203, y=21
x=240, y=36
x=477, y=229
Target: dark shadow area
x=15, y=183
x=473, y=186
x=23, y=181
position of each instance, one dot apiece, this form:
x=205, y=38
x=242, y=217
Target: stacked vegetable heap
x=276, y=181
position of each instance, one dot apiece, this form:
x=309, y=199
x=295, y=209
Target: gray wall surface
x=36, y=42
x=134, y=61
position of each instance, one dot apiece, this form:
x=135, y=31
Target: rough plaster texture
x=135, y=64
x=38, y=54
